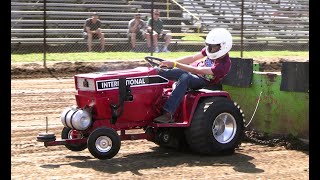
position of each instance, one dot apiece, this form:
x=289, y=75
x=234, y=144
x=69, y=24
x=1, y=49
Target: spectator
x=158, y=32
x=193, y=74
x=136, y=30
x=92, y=30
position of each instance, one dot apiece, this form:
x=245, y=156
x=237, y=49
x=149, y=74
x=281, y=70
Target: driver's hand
x=167, y=64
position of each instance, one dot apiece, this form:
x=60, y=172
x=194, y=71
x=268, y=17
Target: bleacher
x=266, y=23
x=64, y=20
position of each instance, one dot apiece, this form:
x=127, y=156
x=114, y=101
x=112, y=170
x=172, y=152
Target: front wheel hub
x=103, y=144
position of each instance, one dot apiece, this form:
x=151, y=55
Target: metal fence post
x=44, y=32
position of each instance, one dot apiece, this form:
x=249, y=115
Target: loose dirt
x=61, y=68
x=37, y=95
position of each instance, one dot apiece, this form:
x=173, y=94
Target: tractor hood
x=108, y=80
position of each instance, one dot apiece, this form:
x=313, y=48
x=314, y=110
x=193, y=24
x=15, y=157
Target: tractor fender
x=194, y=97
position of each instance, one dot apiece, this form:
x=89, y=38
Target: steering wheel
x=151, y=60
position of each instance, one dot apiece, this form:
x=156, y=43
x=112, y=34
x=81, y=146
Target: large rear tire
x=217, y=127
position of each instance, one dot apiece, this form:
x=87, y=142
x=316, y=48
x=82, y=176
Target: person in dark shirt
x=159, y=33
x=92, y=30
x=193, y=74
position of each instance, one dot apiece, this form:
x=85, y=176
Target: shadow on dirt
x=159, y=158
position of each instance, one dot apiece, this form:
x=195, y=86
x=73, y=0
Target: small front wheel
x=104, y=143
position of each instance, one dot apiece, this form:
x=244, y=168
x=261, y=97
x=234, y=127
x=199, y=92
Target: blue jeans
x=185, y=80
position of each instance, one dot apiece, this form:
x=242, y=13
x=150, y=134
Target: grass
x=193, y=38
x=109, y=56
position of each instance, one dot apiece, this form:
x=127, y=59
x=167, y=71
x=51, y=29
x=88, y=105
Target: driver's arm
x=183, y=63
x=190, y=59
x=192, y=69
x=186, y=67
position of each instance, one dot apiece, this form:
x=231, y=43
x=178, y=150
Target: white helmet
x=218, y=36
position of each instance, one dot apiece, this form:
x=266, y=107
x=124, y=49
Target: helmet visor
x=212, y=48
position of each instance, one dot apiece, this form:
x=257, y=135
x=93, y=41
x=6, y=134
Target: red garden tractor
x=110, y=103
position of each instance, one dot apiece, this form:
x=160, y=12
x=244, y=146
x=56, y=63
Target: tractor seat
x=213, y=87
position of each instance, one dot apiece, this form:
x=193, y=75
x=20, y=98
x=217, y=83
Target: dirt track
x=34, y=99
x=68, y=69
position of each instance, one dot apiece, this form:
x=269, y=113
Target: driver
x=192, y=74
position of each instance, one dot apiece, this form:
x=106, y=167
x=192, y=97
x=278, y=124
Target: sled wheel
x=68, y=133
x=216, y=128
x=104, y=143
